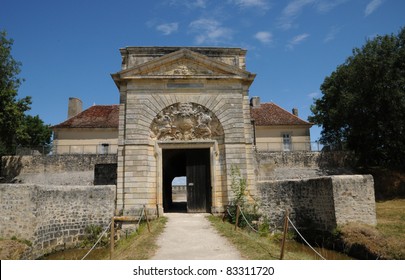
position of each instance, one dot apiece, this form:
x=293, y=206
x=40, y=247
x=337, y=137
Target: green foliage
x=92, y=235
x=35, y=132
x=239, y=189
x=238, y=186
x=363, y=103
x=24, y=241
x=15, y=127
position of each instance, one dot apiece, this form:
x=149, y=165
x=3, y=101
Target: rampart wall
x=304, y=164
x=53, y=217
x=68, y=169
x=53, y=211
x=319, y=203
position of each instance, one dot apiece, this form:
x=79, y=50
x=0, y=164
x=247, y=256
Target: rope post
x=237, y=216
x=224, y=215
x=157, y=210
x=112, y=234
x=284, y=235
x=146, y=217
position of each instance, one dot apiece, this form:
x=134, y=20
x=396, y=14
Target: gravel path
x=191, y=237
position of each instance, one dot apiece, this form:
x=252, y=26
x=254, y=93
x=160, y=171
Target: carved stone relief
x=182, y=68
x=185, y=121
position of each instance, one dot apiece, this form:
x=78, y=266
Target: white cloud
x=210, y=31
x=291, y=11
x=199, y=3
x=295, y=7
x=264, y=37
x=297, y=40
x=324, y=6
x=190, y=4
x=372, y=6
x=261, y=4
x=168, y=28
x=333, y=31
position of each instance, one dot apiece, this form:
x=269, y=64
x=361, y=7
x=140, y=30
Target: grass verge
x=142, y=244
x=139, y=245
x=385, y=241
x=253, y=246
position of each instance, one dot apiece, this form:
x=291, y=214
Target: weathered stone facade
x=66, y=169
x=53, y=217
x=181, y=98
x=304, y=164
x=319, y=203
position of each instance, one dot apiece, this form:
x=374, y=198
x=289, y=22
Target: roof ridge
x=270, y=113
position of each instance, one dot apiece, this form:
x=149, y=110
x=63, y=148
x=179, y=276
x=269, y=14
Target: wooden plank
x=126, y=218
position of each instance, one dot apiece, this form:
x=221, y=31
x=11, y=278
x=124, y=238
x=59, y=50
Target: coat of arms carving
x=185, y=121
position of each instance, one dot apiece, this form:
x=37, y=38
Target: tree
x=35, y=133
x=363, y=103
x=15, y=126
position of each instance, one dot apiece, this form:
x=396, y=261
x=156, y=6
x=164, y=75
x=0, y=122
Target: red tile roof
x=97, y=116
x=106, y=116
x=269, y=114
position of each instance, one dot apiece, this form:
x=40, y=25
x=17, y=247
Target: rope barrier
x=140, y=219
x=247, y=220
x=302, y=237
x=309, y=245
x=101, y=235
x=227, y=209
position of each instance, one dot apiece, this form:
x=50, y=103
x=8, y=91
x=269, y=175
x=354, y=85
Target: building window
x=104, y=148
x=287, y=142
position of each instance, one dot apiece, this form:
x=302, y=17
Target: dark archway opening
x=194, y=164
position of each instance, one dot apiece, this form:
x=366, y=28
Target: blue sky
x=70, y=48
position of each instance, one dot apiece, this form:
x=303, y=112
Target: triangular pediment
x=183, y=63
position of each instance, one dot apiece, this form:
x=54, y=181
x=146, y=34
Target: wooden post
x=237, y=216
x=157, y=210
x=284, y=235
x=225, y=214
x=146, y=216
x=112, y=235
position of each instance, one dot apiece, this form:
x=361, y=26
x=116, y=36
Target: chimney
x=255, y=101
x=295, y=111
x=75, y=107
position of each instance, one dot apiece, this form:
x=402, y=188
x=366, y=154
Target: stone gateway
x=184, y=111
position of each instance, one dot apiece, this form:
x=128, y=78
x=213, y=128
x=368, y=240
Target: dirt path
x=191, y=237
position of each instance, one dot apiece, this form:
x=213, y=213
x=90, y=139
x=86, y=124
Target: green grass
x=391, y=224
x=140, y=245
x=386, y=240
x=253, y=246
x=391, y=218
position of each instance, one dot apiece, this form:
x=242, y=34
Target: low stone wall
x=305, y=164
x=69, y=169
x=53, y=217
x=319, y=203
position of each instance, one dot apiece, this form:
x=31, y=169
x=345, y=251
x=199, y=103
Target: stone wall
x=319, y=203
x=305, y=164
x=66, y=169
x=53, y=217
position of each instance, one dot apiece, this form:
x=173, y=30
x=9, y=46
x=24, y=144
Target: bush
x=92, y=235
x=250, y=211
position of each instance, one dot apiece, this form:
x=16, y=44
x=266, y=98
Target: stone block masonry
x=53, y=217
x=320, y=203
x=67, y=169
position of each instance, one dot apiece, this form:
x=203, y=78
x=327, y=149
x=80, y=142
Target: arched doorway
x=194, y=164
